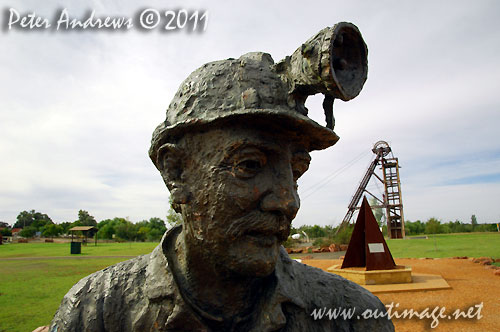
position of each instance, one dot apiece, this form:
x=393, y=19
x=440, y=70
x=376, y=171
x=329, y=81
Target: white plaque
x=375, y=247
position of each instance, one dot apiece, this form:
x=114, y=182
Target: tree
x=106, y=232
x=419, y=227
x=173, y=218
x=330, y=231
x=85, y=219
x=107, y=228
x=433, y=226
x=125, y=230
x=142, y=233
x=29, y=231
x=458, y=227
x=52, y=230
x=344, y=235
x=154, y=235
x=473, y=221
x=316, y=231
x=65, y=226
x=6, y=232
x=410, y=227
x=378, y=212
x=32, y=218
x=156, y=223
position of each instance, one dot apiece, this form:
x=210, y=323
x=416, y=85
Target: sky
x=77, y=108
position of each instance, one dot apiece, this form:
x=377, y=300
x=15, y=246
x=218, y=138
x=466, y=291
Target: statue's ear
x=171, y=164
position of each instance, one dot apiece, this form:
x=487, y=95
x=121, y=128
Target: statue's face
x=243, y=196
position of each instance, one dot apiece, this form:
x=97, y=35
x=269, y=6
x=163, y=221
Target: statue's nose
x=282, y=197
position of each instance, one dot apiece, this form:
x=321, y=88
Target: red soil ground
x=472, y=284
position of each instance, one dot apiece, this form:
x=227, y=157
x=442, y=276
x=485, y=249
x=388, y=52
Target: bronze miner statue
x=235, y=140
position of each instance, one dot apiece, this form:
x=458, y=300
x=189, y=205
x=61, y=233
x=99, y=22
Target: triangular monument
x=369, y=262
x=367, y=247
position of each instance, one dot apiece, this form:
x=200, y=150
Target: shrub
x=290, y=243
x=344, y=236
x=323, y=242
x=28, y=232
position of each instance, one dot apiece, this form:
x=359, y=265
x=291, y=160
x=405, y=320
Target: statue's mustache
x=258, y=222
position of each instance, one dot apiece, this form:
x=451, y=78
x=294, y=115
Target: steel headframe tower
x=392, y=200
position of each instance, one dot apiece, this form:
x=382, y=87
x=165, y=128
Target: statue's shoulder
x=332, y=289
x=112, y=280
x=320, y=291
x=116, y=287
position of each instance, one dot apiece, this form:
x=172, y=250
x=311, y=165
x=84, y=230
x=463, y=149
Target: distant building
x=15, y=231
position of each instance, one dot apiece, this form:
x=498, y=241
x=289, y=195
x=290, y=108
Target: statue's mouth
x=262, y=239
x=265, y=229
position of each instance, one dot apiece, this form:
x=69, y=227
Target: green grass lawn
x=448, y=245
x=32, y=289
x=63, y=249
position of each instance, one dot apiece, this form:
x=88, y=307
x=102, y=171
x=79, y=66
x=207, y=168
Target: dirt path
x=472, y=284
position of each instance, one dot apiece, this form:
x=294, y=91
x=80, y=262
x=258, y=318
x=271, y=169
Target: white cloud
x=77, y=109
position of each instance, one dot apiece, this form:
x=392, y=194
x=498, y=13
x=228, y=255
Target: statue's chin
x=251, y=260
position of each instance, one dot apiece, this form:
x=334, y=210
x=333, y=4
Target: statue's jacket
x=141, y=295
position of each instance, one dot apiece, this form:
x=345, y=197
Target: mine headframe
x=391, y=201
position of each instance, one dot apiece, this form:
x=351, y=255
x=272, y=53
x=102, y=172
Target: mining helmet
x=333, y=62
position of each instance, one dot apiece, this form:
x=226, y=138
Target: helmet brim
x=298, y=127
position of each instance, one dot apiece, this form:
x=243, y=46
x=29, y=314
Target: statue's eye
x=250, y=164
x=248, y=168
x=246, y=162
x=300, y=164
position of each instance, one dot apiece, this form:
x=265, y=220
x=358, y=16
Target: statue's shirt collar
x=161, y=283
